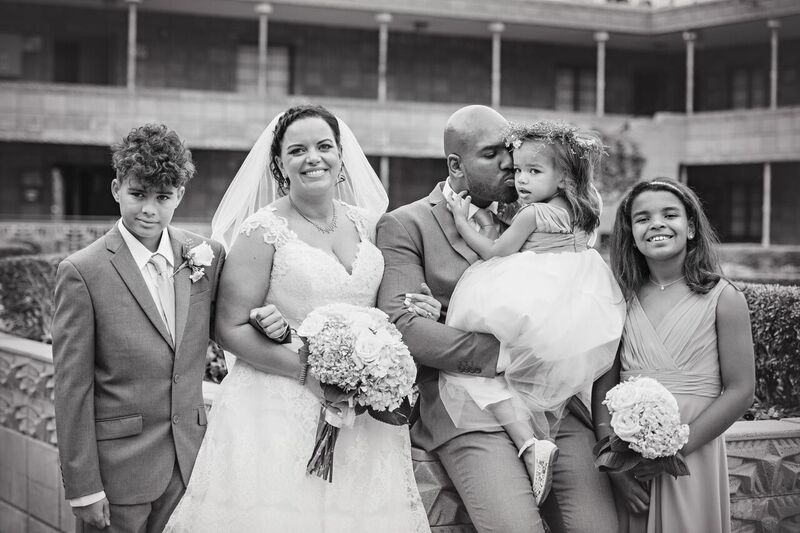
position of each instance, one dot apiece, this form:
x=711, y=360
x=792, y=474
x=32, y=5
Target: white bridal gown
x=250, y=474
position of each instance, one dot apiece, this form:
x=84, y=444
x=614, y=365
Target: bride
x=295, y=243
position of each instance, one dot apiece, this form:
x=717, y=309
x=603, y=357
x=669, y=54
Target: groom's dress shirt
x=504, y=358
x=141, y=255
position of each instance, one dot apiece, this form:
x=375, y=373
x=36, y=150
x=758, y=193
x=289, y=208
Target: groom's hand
x=423, y=303
x=97, y=514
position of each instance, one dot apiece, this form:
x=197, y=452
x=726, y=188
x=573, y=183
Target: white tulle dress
x=558, y=313
x=250, y=474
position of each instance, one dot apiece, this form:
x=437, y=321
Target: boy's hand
x=97, y=514
x=270, y=320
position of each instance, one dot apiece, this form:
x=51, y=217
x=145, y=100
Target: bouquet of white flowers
x=359, y=352
x=647, y=426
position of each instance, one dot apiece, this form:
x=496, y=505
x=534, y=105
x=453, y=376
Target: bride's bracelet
x=302, y=354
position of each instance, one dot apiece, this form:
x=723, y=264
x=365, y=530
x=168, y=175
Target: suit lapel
x=445, y=219
x=132, y=277
x=182, y=285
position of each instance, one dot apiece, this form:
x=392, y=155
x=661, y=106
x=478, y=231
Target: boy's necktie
x=157, y=265
x=486, y=223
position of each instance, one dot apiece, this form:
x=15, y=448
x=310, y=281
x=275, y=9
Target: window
x=575, y=89
x=748, y=88
x=278, y=71
x=10, y=55
x=732, y=197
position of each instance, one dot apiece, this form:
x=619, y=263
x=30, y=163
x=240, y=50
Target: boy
x=130, y=332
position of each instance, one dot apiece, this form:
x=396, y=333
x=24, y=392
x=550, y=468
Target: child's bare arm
x=737, y=369
x=508, y=243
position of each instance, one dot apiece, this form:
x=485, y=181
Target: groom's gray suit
x=420, y=243
x=129, y=405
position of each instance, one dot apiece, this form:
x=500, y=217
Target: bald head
x=467, y=124
x=478, y=161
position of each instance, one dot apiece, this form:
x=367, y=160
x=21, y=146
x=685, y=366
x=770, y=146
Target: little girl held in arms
x=555, y=307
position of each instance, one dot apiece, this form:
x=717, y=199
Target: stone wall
x=763, y=458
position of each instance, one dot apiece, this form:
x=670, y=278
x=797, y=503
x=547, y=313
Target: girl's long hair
x=701, y=264
x=578, y=169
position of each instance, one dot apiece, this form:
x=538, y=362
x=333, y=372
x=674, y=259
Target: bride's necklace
x=663, y=286
x=322, y=228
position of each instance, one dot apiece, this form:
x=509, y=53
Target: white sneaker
x=545, y=454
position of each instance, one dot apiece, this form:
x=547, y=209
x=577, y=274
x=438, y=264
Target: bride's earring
x=284, y=178
x=342, y=174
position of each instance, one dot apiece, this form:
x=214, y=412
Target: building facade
x=708, y=90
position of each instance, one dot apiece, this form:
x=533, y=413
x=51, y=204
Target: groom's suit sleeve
x=431, y=343
x=73, y=359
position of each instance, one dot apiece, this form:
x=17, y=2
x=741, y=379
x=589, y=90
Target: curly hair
x=701, y=264
x=290, y=116
x=154, y=154
x=577, y=155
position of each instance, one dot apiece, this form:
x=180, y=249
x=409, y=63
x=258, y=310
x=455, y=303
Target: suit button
x=176, y=378
x=176, y=419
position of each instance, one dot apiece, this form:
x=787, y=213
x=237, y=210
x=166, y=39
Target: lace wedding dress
x=250, y=473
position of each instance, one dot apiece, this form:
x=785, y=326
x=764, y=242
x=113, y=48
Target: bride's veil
x=255, y=187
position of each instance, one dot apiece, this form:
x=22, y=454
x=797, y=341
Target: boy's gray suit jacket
x=128, y=401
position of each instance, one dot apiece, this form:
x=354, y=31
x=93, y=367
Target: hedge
x=26, y=307
x=26, y=295
x=17, y=248
x=775, y=320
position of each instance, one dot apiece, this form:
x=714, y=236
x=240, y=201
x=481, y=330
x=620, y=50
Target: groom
x=420, y=244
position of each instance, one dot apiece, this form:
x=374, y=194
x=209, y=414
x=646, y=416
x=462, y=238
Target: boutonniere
x=197, y=258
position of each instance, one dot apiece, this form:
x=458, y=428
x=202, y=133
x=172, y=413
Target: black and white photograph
x=362, y=266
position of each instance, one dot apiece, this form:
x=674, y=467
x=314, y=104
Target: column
x=385, y=172
x=773, y=25
x=600, y=38
x=132, y=24
x=383, y=20
x=263, y=11
x=496, y=29
x=689, y=37
x=57, y=187
x=766, y=205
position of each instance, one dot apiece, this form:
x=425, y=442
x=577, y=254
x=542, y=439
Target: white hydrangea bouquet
x=647, y=427
x=362, y=355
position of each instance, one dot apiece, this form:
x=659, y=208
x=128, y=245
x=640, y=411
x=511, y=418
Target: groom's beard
x=483, y=195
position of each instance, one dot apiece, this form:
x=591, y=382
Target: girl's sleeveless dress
x=558, y=313
x=250, y=473
x=681, y=353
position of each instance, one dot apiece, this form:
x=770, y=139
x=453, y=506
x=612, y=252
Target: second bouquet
x=359, y=353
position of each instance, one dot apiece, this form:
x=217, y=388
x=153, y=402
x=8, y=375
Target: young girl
x=688, y=328
x=555, y=308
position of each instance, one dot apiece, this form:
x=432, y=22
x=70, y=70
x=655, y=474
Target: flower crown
x=579, y=143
